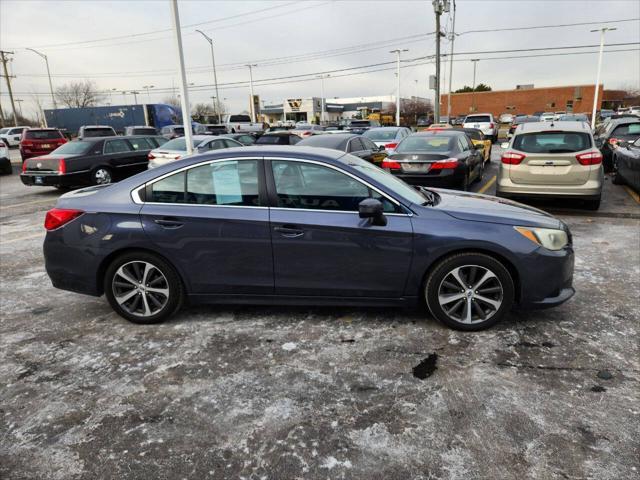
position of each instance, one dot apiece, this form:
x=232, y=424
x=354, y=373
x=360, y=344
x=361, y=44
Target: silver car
x=177, y=148
x=552, y=160
x=387, y=137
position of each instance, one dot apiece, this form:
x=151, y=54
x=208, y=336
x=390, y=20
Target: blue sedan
x=298, y=225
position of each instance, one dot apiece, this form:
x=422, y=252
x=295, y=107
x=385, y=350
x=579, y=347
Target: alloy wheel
x=140, y=288
x=470, y=294
x=102, y=176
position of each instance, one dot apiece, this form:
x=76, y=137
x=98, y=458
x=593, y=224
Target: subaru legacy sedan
x=296, y=225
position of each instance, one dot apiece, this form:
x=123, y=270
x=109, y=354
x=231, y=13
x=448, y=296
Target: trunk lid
x=45, y=164
x=417, y=162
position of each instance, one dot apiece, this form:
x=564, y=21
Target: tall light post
x=595, y=93
x=324, y=104
x=439, y=7
x=397, y=51
x=46, y=61
x=473, y=89
x=19, y=102
x=251, y=106
x=453, y=37
x=184, y=99
x=135, y=96
x=215, y=76
x=147, y=87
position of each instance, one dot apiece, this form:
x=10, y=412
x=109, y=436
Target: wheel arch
x=511, y=268
x=104, y=264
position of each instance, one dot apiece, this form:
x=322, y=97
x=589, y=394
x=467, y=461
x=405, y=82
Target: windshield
x=380, y=135
x=477, y=118
x=42, y=134
x=389, y=181
x=98, y=132
x=143, y=131
x=360, y=123
x=240, y=118
x=552, y=142
x=77, y=147
x=179, y=144
x=420, y=144
x=4, y=130
x=273, y=140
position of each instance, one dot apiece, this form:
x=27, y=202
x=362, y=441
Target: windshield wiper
x=429, y=195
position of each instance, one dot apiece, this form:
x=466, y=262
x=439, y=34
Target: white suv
x=484, y=122
x=12, y=135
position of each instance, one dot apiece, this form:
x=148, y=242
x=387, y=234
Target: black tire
x=170, y=281
x=593, y=204
x=464, y=186
x=479, y=262
x=101, y=176
x=490, y=150
x=480, y=176
x=616, y=179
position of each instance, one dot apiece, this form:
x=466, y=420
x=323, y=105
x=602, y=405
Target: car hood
x=485, y=208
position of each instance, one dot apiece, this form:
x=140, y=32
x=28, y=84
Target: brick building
x=523, y=100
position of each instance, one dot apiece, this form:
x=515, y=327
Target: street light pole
x=215, y=76
x=147, y=87
x=473, y=89
x=46, y=61
x=439, y=6
x=397, y=51
x=251, y=106
x=595, y=93
x=453, y=37
x=186, y=117
x=324, y=104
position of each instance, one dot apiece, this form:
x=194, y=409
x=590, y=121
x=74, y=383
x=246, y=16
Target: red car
x=40, y=141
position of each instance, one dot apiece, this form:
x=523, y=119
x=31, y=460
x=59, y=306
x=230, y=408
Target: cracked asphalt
x=320, y=393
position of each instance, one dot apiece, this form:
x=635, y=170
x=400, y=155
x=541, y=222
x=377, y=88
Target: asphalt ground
x=321, y=393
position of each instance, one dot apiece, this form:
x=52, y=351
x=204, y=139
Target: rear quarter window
x=552, y=142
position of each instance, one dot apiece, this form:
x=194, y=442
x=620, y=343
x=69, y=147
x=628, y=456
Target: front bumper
x=546, y=278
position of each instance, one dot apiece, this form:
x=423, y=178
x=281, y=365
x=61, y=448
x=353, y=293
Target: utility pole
x=324, y=103
x=397, y=51
x=46, y=61
x=473, y=89
x=595, y=93
x=215, y=76
x=251, y=106
x=186, y=117
x=453, y=37
x=19, y=102
x=439, y=6
x=4, y=60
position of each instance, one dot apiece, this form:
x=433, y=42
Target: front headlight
x=549, y=238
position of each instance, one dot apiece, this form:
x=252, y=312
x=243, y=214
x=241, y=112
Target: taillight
x=58, y=217
x=62, y=167
x=491, y=125
x=26, y=143
x=614, y=141
x=442, y=164
x=24, y=166
x=306, y=134
x=151, y=156
x=590, y=158
x=391, y=146
x=390, y=164
x=512, y=158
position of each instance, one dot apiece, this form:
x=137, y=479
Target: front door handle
x=168, y=222
x=289, y=231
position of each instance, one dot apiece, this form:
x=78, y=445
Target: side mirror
x=504, y=145
x=372, y=208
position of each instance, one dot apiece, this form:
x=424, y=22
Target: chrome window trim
x=353, y=212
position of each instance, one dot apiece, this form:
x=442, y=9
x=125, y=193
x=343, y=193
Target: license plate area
x=39, y=180
x=46, y=145
x=416, y=167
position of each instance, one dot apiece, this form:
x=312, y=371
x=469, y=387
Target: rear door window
x=233, y=182
x=552, y=142
x=116, y=146
x=355, y=145
x=140, y=144
x=168, y=190
x=628, y=129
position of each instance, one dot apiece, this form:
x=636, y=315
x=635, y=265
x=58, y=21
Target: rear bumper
x=446, y=178
x=589, y=190
x=53, y=180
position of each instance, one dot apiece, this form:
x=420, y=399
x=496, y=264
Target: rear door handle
x=170, y=223
x=289, y=231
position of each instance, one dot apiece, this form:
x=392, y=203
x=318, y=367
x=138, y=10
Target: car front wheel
x=469, y=291
x=143, y=288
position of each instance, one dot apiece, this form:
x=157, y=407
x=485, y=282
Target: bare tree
x=172, y=100
x=201, y=110
x=79, y=94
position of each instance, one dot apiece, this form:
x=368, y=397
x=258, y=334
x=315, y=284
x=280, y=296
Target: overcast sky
x=260, y=31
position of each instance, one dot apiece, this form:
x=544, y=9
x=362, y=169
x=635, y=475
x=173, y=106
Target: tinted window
x=158, y=140
x=474, y=134
x=272, y=140
x=98, y=132
x=213, y=145
x=76, y=147
x=368, y=144
x=477, y=118
x=552, y=142
x=141, y=144
x=229, y=143
x=4, y=130
x=143, y=131
x=224, y=183
x=355, y=145
x=117, y=146
x=334, y=141
x=240, y=118
x=381, y=134
x=360, y=123
x=628, y=129
x=177, y=130
x=247, y=139
x=42, y=134
x=178, y=144
x=168, y=190
x=419, y=144
x=315, y=187
x=293, y=139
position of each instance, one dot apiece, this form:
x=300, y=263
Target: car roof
x=279, y=133
x=384, y=128
x=559, y=126
x=448, y=132
x=474, y=114
x=96, y=126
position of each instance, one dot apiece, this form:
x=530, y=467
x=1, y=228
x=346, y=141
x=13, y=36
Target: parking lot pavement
x=316, y=393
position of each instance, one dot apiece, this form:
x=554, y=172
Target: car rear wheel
x=464, y=186
x=469, y=291
x=593, y=204
x=616, y=179
x=101, y=176
x=143, y=288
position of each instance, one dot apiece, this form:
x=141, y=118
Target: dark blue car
x=297, y=225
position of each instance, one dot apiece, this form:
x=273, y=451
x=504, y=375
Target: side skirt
x=228, y=299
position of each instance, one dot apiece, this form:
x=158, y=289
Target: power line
x=536, y=27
